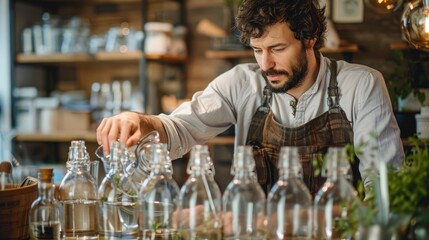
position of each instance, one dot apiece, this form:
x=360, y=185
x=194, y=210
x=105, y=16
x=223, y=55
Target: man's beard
x=295, y=79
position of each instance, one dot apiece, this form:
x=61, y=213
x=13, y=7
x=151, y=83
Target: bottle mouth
x=139, y=153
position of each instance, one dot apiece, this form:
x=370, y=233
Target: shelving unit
x=87, y=68
x=98, y=57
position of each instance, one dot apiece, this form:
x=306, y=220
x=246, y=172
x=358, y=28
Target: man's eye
x=278, y=49
x=257, y=51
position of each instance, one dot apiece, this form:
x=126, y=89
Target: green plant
x=406, y=77
x=408, y=193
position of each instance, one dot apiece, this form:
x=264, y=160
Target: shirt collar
x=321, y=75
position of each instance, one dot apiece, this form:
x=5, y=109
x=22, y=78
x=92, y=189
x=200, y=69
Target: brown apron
x=313, y=139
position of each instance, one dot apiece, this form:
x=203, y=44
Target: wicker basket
x=15, y=204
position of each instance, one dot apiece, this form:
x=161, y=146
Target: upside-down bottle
x=289, y=203
x=45, y=212
x=200, y=199
x=78, y=197
x=158, y=198
x=117, y=199
x=337, y=197
x=243, y=200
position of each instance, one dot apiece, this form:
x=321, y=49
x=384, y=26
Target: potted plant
x=405, y=84
x=406, y=79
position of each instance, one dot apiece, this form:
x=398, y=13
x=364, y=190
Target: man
x=293, y=96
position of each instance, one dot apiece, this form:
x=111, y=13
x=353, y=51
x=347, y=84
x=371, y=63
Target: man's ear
x=309, y=44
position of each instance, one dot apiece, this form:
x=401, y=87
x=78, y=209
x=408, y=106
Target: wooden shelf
x=63, y=136
x=225, y=54
x=52, y=58
x=98, y=57
x=346, y=48
x=228, y=54
x=400, y=46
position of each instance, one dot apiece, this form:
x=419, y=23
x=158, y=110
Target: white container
x=26, y=116
x=422, y=126
x=158, y=37
x=47, y=113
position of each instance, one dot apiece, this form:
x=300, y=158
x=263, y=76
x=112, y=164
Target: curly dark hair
x=304, y=17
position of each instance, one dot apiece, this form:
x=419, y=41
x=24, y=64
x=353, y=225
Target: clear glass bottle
x=117, y=199
x=6, y=179
x=44, y=219
x=79, y=201
x=137, y=165
x=141, y=168
x=158, y=198
x=337, y=197
x=289, y=203
x=243, y=200
x=200, y=199
x=75, y=147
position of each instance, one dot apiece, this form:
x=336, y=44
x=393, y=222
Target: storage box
x=73, y=120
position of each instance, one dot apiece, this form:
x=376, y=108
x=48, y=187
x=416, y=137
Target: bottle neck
x=285, y=174
x=47, y=191
x=198, y=171
x=159, y=169
x=244, y=174
x=336, y=174
x=80, y=165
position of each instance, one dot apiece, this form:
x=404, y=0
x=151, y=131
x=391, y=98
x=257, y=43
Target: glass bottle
x=336, y=199
x=289, y=203
x=158, y=198
x=200, y=199
x=79, y=201
x=45, y=211
x=75, y=147
x=6, y=179
x=141, y=167
x=117, y=199
x=137, y=165
x=243, y=200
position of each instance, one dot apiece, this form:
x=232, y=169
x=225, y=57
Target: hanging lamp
x=383, y=6
x=415, y=24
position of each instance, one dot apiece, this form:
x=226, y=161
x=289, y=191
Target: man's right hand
x=124, y=127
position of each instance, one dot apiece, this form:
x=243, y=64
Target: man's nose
x=267, y=62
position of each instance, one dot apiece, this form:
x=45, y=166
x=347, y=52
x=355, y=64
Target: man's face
x=281, y=57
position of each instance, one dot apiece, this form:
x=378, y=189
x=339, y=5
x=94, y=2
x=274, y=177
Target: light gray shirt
x=234, y=96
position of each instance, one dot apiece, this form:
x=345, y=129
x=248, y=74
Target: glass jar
x=289, y=203
x=44, y=218
x=200, y=199
x=78, y=197
x=336, y=199
x=117, y=199
x=6, y=179
x=158, y=198
x=243, y=200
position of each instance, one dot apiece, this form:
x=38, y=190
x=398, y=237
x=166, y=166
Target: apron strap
x=266, y=100
x=334, y=95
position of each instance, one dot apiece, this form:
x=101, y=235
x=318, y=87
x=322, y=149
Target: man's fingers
x=125, y=133
x=100, y=131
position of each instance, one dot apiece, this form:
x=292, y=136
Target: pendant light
x=415, y=24
x=383, y=6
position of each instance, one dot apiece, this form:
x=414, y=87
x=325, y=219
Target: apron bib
x=267, y=136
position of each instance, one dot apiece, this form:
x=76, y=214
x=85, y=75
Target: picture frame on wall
x=327, y=5
x=348, y=11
